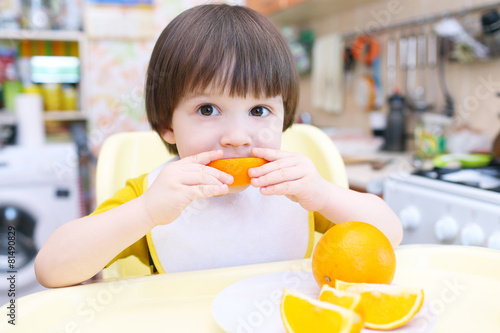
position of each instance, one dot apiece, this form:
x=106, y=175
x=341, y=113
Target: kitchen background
x=84, y=64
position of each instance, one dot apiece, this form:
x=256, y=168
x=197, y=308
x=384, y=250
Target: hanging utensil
x=377, y=81
x=417, y=62
x=411, y=67
x=431, y=95
x=366, y=51
x=391, y=65
x=349, y=65
x=403, y=58
x=496, y=143
x=444, y=47
x=420, y=95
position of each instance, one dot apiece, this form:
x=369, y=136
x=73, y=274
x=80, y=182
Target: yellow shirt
x=135, y=187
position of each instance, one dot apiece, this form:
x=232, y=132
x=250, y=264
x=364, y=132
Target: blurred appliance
x=395, y=134
x=496, y=147
x=496, y=143
x=445, y=206
x=51, y=69
x=490, y=23
x=39, y=191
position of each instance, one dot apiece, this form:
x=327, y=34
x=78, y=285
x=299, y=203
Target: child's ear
x=168, y=135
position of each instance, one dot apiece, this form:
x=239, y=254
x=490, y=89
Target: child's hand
x=290, y=174
x=181, y=182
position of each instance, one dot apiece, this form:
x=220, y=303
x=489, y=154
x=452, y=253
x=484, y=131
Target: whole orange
x=238, y=168
x=353, y=252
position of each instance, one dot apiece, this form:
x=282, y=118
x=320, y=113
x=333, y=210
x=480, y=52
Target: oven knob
x=446, y=229
x=494, y=241
x=472, y=234
x=410, y=218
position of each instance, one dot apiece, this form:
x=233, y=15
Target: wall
x=475, y=100
x=116, y=74
x=116, y=71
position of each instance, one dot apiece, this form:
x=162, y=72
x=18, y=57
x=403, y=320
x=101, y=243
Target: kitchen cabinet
x=285, y=12
x=268, y=7
x=76, y=40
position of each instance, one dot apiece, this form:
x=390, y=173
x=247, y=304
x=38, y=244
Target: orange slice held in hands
x=238, y=168
x=301, y=314
x=353, y=252
x=385, y=307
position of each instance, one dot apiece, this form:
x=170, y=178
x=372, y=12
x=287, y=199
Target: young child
x=221, y=83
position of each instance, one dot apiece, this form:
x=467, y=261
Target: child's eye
x=259, y=111
x=208, y=110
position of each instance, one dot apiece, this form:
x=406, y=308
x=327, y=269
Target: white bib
x=231, y=230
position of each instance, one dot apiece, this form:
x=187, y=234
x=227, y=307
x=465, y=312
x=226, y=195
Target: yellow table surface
x=461, y=284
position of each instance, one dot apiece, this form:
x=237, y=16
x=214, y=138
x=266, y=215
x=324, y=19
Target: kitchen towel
x=30, y=122
x=327, y=73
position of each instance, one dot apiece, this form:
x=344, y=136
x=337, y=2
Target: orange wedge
x=346, y=299
x=385, y=306
x=301, y=314
x=238, y=168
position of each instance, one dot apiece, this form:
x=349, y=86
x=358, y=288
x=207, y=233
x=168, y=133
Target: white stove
x=446, y=206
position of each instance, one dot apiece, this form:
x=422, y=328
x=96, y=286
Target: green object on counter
x=10, y=90
x=455, y=161
x=430, y=135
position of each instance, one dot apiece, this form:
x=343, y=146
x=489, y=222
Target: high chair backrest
x=314, y=143
x=128, y=155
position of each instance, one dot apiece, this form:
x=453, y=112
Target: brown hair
x=223, y=47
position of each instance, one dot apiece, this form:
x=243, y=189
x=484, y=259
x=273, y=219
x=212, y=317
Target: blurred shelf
x=312, y=10
x=80, y=38
x=64, y=116
x=62, y=35
x=7, y=118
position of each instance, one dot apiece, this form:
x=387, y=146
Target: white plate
x=252, y=305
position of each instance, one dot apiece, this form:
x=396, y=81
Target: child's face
x=213, y=121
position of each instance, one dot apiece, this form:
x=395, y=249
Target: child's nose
x=235, y=137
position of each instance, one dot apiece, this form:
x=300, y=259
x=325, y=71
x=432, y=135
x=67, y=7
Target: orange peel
x=238, y=168
x=385, y=307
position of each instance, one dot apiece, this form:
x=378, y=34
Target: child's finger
x=202, y=159
x=205, y=157
x=286, y=188
x=206, y=191
x=271, y=167
x=202, y=174
x=221, y=176
x=278, y=176
x=270, y=154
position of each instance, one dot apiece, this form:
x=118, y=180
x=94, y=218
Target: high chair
x=130, y=154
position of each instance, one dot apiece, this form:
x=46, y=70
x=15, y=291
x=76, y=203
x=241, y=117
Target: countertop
x=363, y=176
